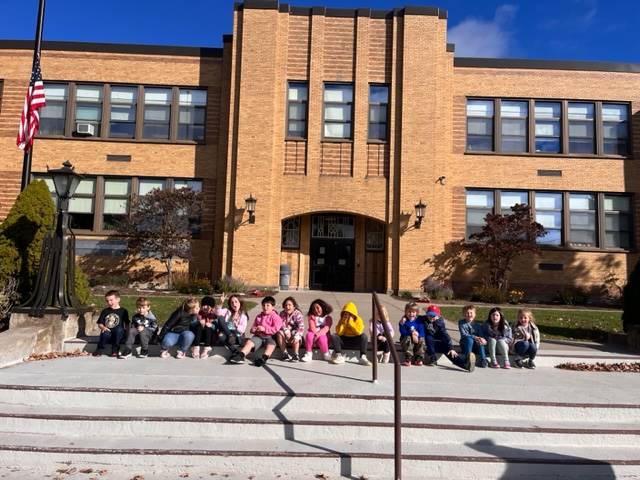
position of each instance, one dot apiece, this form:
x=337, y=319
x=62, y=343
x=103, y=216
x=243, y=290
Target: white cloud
x=475, y=37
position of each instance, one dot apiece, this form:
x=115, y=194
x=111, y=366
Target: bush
x=631, y=300
x=197, y=286
x=110, y=280
x=9, y=259
x=25, y=227
x=83, y=292
x=406, y=294
x=515, y=295
x=572, y=296
x=228, y=284
x=436, y=289
x=488, y=295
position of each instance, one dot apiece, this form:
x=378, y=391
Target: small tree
x=501, y=240
x=161, y=224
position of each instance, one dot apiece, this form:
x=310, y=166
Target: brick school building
x=339, y=122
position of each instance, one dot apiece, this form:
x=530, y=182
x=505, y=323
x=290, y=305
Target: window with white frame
x=617, y=221
x=338, y=110
x=297, y=98
x=582, y=220
x=54, y=115
x=514, y=119
x=192, y=114
x=147, y=185
x=508, y=199
x=615, y=124
x=548, y=207
x=479, y=125
x=122, y=118
x=378, y=112
x=581, y=127
x=157, y=113
x=116, y=201
x=547, y=118
x=479, y=203
x=88, y=109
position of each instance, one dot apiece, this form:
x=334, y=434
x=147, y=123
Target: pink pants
x=322, y=342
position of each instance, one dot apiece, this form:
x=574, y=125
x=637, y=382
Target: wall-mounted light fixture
x=442, y=179
x=250, y=206
x=420, y=212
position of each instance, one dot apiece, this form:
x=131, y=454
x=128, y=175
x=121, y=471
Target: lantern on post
x=250, y=206
x=420, y=213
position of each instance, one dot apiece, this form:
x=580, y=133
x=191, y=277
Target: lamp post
x=420, y=213
x=250, y=205
x=54, y=289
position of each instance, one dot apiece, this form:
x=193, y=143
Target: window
x=157, y=113
x=146, y=185
x=122, y=118
x=479, y=203
x=615, y=126
x=192, y=115
x=513, y=120
x=54, y=115
x=89, y=108
x=480, y=125
x=195, y=185
x=338, y=103
x=374, y=239
x=378, y=115
x=549, y=215
x=116, y=201
x=291, y=233
x=81, y=206
x=297, y=98
x=581, y=122
x=617, y=221
x=509, y=199
x=582, y=220
x=547, y=117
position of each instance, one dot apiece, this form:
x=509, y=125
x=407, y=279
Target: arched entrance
x=332, y=252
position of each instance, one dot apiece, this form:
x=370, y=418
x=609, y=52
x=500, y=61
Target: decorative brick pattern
x=339, y=49
x=295, y=157
x=336, y=158
x=380, y=50
x=377, y=160
x=298, y=53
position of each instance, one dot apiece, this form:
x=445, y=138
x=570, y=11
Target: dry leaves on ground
x=601, y=367
x=36, y=357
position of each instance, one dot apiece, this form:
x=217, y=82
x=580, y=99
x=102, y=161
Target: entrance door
x=332, y=253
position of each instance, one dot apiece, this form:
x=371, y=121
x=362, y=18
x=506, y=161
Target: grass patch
x=559, y=324
x=161, y=306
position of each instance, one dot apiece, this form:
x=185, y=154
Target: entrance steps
x=165, y=417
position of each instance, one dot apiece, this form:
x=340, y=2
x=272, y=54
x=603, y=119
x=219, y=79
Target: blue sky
x=603, y=30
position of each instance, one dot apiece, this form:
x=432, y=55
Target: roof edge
x=466, y=62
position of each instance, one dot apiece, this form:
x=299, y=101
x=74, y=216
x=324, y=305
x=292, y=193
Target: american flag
x=34, y=101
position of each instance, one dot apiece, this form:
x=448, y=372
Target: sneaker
x=126, y=353
x=307, y=357
x=326, y=356
x=195, y=353
x=205, y=353
x=237, y=357
x=114, y=354
x=259, y=362
x=531, y=364
x=470, y=364
x=419, y=363
x=180, y=354
x=385, y=357
x=165, y=354
x=337, y=359
x=494, y=364
x=295, y=357
x=507, y=365
x=143, y=353
x=484, y=363
x=432, y=361
x=285, y=357
x=97, y=353
x=518, y=362
x=364, y=361
x=406, y=363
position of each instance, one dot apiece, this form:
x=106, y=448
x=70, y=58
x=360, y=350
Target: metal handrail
x=378, y=313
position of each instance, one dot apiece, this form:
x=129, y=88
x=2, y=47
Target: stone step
x=545, y=358
x=354, y=459
x=230, y=424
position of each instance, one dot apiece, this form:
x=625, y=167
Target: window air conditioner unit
x=87, y=129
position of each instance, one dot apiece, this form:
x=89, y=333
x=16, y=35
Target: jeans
x=359, y=341
x=438, y=346
x=526, y=349
x=145, y=336
x=113, y=337
x=183, y=339
x=468, y=344
x=499, y=345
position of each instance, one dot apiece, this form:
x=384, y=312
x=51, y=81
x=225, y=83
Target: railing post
x=374, y=342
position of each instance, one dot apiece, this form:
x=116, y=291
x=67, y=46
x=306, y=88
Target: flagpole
x=26, y=163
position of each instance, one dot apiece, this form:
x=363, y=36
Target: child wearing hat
x=438, y=341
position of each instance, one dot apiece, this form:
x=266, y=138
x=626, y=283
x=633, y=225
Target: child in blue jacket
x=412, y=336
x=472, y=336
x=438, y=341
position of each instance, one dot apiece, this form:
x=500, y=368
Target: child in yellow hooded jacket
x=349, y=334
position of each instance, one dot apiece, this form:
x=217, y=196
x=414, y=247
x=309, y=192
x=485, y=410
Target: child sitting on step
x=349, y=334
x=412, y=336
x=177, y=330
x=320, y=321
x=497, y=332
x=113, y=322
x=526, y=339
x=232, y=322
x=383, y=347
x=143, y=326
x=265, y=326
x=290, y=335
x=472, y=336
x=205, y=329
x=437, y=340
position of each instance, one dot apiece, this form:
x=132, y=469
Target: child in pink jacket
x=319, y=329
x=264, y=328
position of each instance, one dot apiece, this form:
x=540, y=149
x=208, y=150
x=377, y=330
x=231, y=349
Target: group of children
x=197, y=326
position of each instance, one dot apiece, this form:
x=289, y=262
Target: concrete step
x=230, y=424
x=251, y=456
x=545, y=358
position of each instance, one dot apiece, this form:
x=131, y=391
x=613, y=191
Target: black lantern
x=420, y=213
x=250, y=206
x=54, y=290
